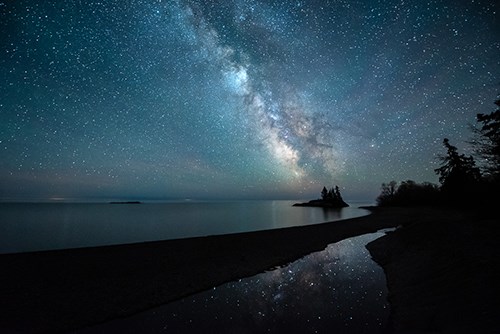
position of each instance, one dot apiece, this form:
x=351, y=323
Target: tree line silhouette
x=462, y=180
x=330, y=198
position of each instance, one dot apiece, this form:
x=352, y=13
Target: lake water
x=338, y=290
x=43, y=226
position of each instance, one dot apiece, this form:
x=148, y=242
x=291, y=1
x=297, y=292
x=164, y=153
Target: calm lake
x=43, y=226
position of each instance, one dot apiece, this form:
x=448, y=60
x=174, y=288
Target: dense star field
x=236, y=99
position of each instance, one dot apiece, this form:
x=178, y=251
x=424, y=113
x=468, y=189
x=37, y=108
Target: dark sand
x=56, y=291
x=443, y=274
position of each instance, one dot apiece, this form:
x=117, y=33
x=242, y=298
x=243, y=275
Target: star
x=158, y=99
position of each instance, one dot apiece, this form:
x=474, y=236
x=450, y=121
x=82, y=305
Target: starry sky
x=237, y=99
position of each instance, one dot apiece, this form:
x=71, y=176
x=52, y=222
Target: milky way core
x=237, y=99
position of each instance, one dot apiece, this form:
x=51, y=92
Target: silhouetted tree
x=487, y=142
x=458, y=173
x=324, y=193
x=387, y=191
x=419, y=194
x=333, y=197
x=337, y=196
x=460, y=178
x=408, y=193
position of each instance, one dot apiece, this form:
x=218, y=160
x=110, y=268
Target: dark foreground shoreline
x=56, y=291
x=443, y=273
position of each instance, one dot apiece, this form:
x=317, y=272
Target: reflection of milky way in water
x=338, y=289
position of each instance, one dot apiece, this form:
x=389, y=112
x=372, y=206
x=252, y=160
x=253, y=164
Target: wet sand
x=56, y=291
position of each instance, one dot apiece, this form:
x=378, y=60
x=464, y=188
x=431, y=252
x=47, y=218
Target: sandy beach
x=442, y=274
x=56, y=291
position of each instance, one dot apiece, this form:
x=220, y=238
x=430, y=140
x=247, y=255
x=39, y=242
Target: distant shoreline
x=54, y=291
x=127, y=202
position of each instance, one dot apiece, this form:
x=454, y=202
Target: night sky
x=237, y=99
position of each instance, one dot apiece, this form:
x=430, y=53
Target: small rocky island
x=329, y=199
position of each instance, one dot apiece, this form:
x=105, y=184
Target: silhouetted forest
x=464, y=180
x=329, y=199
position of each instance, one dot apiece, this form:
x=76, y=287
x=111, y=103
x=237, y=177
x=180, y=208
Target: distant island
x=329, y=199
x=127, y=202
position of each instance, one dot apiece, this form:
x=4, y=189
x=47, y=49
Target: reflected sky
x=337, y=290
x=42, y=226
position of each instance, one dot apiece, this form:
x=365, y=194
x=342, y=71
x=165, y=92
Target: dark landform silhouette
x=442, y=272
x=126, y=202
x=329, y=199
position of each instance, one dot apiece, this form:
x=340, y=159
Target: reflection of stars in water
x=340, y=288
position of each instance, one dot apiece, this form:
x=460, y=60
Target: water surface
x=338, y=290
x=43, y=226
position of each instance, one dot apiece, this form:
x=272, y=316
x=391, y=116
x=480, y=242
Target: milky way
x=237, y=99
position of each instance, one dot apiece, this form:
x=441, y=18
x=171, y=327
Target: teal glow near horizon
x=236, y=99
